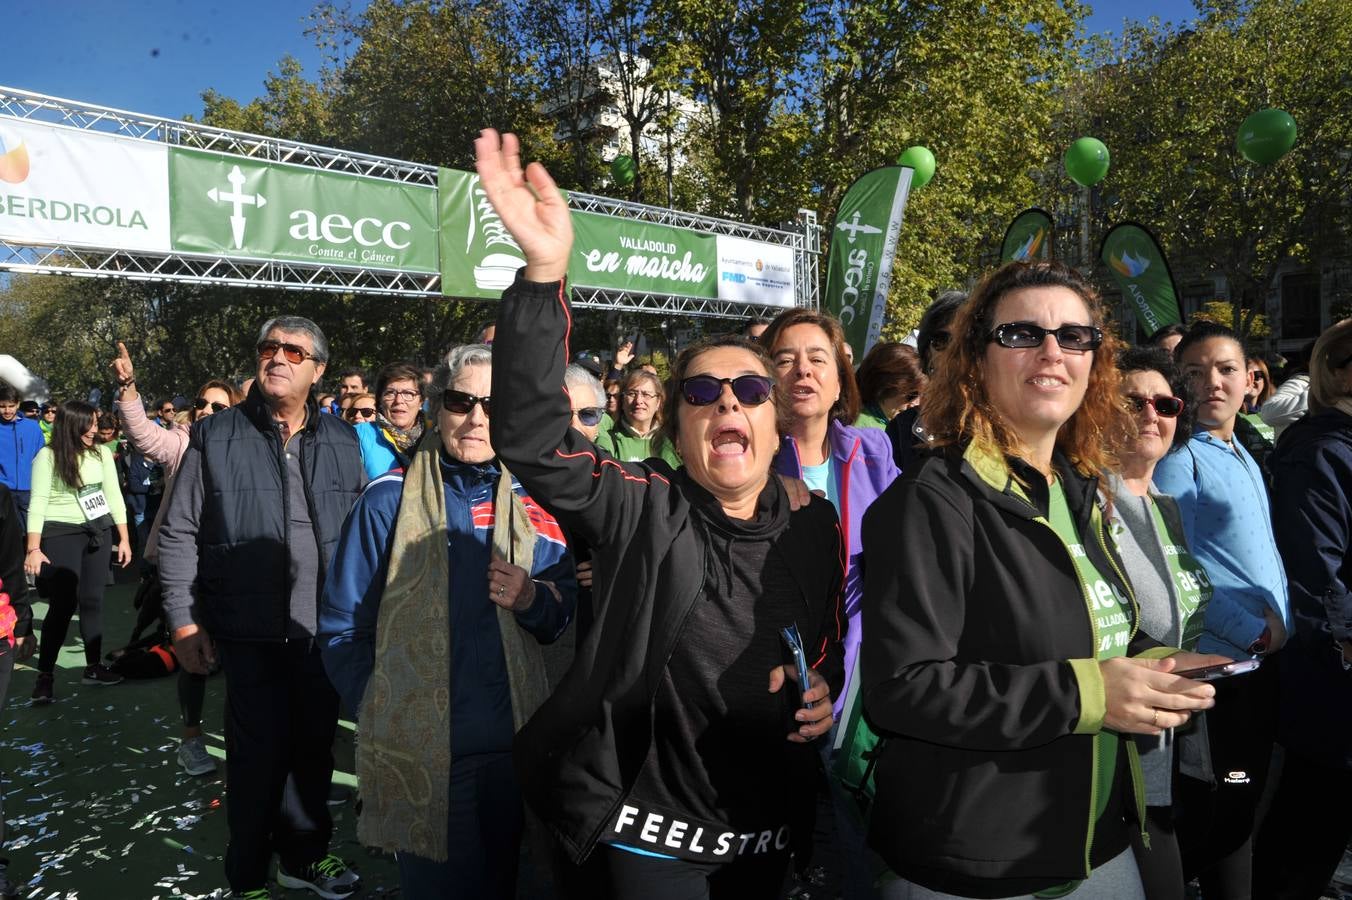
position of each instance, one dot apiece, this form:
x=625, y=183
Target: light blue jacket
x=378, y=455
x=20, y=441
x=1225, y=511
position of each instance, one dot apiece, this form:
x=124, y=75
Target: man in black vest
x=253, y=518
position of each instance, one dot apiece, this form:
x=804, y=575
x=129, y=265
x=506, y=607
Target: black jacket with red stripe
x=579, y=756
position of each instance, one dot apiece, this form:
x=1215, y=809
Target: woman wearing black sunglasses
x=446, y=579
x=1171, y=587
x=1002, y=659
x=678, y=742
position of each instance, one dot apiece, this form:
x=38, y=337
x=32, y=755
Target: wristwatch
x=1260, y=646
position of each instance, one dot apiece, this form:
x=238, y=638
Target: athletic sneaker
x=330, y=878
x=194, y=758
x=100, y=674
x=42, y=691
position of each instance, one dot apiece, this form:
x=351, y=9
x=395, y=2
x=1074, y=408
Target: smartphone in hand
x=1222, y=670
x=795, y=645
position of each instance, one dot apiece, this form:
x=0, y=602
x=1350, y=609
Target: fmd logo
x=734, y=277
x=13, y=157
x=237, y=200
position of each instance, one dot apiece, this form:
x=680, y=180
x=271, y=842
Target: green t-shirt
x=1112, y=629
x=1191, y=585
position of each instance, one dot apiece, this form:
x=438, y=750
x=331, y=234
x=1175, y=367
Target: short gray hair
x=578, y=376
x=319, y=343
x=457, y=360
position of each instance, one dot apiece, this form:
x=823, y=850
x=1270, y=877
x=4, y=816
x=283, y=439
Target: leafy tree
x=1169, y=101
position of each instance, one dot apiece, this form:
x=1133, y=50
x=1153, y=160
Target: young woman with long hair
x=75, y=507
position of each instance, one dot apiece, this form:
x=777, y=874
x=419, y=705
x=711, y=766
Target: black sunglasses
x=1165, y=405
x=368, y=412
x=201, y=403
x=750, y=390
x=1022, y=335
x=461, y=403
x=590, y=415
x=293, y=353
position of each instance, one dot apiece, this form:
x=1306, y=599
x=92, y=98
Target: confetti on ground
x=96, y=804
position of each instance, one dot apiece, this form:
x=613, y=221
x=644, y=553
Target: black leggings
x=1216, y=821
x=637, y=877
x=74, y=578
x=1160, y=865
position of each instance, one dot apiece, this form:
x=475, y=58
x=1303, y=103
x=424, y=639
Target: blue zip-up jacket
x=1224, y=505
x=378, y=455
x=20, y=441
x=481, y=704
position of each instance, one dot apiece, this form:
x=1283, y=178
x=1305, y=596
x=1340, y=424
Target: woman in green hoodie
x=637, y=435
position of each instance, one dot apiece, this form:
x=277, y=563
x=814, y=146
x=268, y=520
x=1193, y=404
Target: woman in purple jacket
x=847, y=465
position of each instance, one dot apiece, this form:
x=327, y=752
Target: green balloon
x=921, y=160
x=1266, y=136
x=1086, y=161
x=623, y=170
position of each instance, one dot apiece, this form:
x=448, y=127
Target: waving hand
x=529, y=203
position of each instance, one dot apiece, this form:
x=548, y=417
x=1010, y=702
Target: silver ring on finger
x=502, y=589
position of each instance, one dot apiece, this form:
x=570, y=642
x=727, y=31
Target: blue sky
x=157, y=56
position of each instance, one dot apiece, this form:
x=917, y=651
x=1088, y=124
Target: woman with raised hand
x=680, y=741
x=165, y=447
x=75, y=508
x=1003, y=663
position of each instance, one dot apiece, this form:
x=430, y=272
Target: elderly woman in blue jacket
x=447, y=579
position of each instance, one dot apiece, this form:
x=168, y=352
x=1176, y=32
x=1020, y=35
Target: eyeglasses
x=589, y=415
x=167, y=411
x=1164, y=405
x=750, y=390
x=366, y=412
x=201, y=403
x=461, y=403
x=1022, y=335
x=293, y=353
x=1258, y=376
x=405, y=395
x=631, y=396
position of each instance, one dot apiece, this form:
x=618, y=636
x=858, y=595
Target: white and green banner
x=61, y=185
x=479, y=258
x=863, y=245
x=233, y=206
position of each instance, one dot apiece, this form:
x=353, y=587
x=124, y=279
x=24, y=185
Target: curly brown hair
x=956, y=407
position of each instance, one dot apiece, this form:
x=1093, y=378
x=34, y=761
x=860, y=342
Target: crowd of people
x=1087, y=599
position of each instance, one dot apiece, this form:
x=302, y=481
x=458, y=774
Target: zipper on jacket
x=1094, y=632
x=286, y=530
